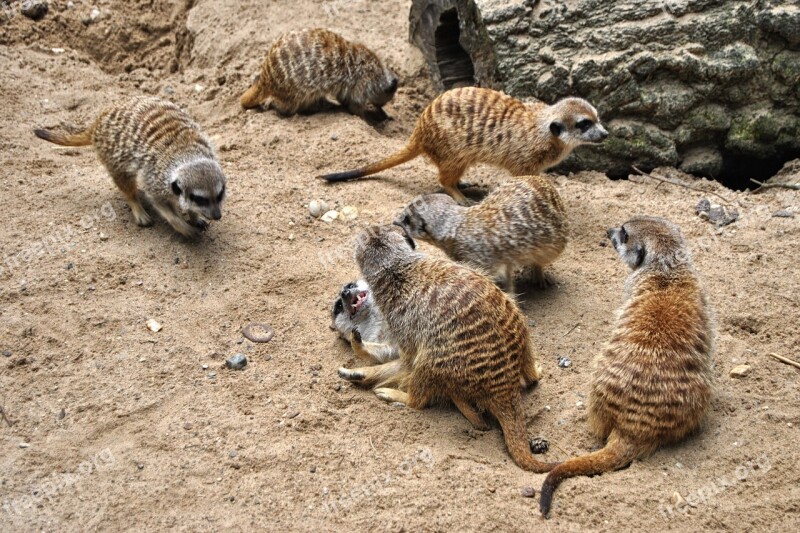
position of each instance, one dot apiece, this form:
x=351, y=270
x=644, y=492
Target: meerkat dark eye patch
x=338, y=307
x=221, y=195
x=198, y=200
x=623, y=235
x=639, y=250
x=556, y=128
x=584, y=125
x=176, y=190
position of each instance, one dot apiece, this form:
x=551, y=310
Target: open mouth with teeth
x=353, y=301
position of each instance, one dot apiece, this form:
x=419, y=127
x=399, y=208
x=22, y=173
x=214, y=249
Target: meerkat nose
x=216, y=214
x=610, y=233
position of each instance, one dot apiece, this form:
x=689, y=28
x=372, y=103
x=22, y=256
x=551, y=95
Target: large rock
x=712, y=86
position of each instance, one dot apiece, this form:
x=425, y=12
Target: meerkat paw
x=541, y=279
x=393, y=396
x=140, y=216
x=351, y=375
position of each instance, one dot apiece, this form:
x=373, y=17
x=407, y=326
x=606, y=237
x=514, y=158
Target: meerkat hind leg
x=392, y=395
x=448, y=179
x=384, y=374
x=474, y=417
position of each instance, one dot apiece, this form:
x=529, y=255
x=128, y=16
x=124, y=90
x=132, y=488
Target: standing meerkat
x=359, y=321
x=463, y=127
x=153, y=149
x=521, y=223
x=460, y=338
x=652, y=383
x=303, y=67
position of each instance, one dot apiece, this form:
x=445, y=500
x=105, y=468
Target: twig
x=573, y=328
x=762, y=185
x=786, y=360
x=373, y=446
x=684, y=185
x=5, y=416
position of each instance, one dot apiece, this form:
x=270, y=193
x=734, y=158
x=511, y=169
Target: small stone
x=783, y=213
x=740, y=371
x=317, y=367
x=313, y=469
x=61, y=414
x=349, y=212
x=492, y=490
x=292, y=414
x=168, y=89
x=140, y=466
x=715, y=213
x=58, y=50
x=187, y=426
x=337, y=387
x=153, y=325
x=579, y=404
x=539, y=445
x=564, y=362
x=233, y=454
x=212, y=375
x=315, y=208
x=24, y=445
x=7, y=353
x=528, y=492
x=198, y=88
x=236, y=362
x=334, y=137
x=70, y=265
x=232, y=498
x=33, y=9
x=291, y=236
x=204, y=367
x=330, y=216
x=678, y=465
x=103, y=237
x=676, y=498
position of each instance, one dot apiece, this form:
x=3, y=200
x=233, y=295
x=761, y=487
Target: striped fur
x=151, y=147
x=303, y=67
x=460, y=338
x=466, y=126
x=521, y=223
x=652, y=383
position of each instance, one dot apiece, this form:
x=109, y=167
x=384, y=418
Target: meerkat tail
x=82, y=138
x=616, y=454
x=254, y=96
x=409, y=152
x=516, y=437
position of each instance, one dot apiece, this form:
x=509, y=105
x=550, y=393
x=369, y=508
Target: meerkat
x=521, y=223
x=466, y=126
x=303, y=67
x=359, y=321
x=652, y=383
x=460, y=338
x=152, y=149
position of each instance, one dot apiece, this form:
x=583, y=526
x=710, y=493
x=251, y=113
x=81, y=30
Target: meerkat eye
x=199, y=200
x=623, y=235
x=338, y=307
x=406, y=220
x=556, y=128
x=176, y=190
x=584, y=124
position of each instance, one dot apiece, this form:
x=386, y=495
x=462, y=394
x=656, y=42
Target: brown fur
x=652, y=384
x=153, y=149
x=460, y=338
x=303, y=67
x=463, y=127
x=521, y=223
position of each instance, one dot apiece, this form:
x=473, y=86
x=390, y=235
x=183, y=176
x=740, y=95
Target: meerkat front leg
x=176, y=221
x=540, y=279
x=374, y=352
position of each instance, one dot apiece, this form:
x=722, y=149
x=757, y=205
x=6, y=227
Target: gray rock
x=564, y=362
x=34, y=9
x=783, y=213
x=236, y=362
x=539, y=445
x=716, y=214
x=700, y=83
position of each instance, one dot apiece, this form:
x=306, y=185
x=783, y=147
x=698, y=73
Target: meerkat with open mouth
x=359, y=321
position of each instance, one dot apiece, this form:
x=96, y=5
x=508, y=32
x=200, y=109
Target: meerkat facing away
x=359, y=321
x=153, y=149
x=303, y=67
x=470, y=125
x=652, y=383
x=521, y=223
x=460, y=338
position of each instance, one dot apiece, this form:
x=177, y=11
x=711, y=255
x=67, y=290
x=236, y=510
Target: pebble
x=292, y=414
x=313, y=469
x=153, y=325
x=315, y=208
x=740, y=371
x=539, y=445
x=33, y=9
x=676, y=498
x=70, y=265
x=564, y=362
x=330, y=216
x=579, y=404
x=187, y=426
x=103, y=237
x=198, y=88
x=168, y=89
x=528, y=492
x=349, y=212
x=236, y=362
x=783, y=213
x=715, y=213
x=232, y=454
x=140, y=466
x=212, y=375
x=24, y=445
x=334, y=137
x=205, y=367
x=7, y=353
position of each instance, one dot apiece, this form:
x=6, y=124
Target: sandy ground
x=126, y=429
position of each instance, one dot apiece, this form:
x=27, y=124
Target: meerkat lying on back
x=151, y=147
x=460, y=338
x=521, y=223
x=303, y=67
x=463, y=127
x=652, y=383
x=359, y=321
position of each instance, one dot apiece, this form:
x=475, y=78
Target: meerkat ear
x=176, y=190
x=556, y=128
